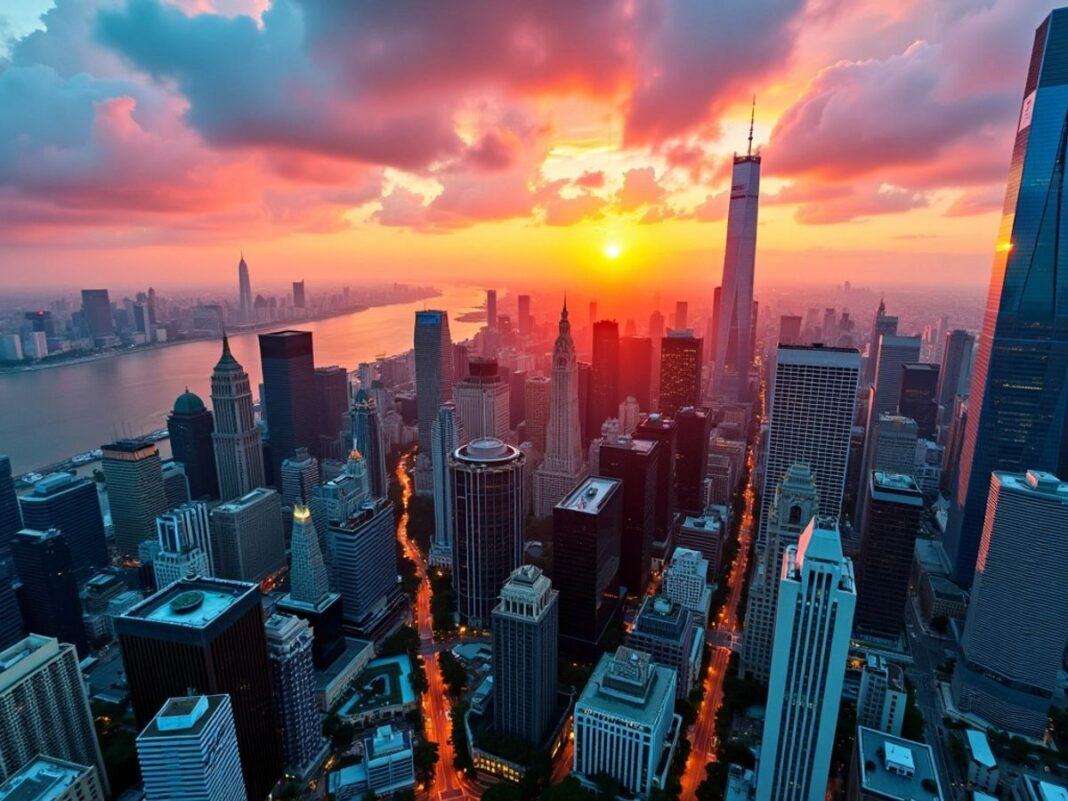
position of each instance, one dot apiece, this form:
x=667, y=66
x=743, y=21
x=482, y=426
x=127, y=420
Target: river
x=51, y=414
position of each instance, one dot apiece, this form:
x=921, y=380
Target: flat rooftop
x=896, y=768
x=195, y=602
x=628, y=443
x=590, y=496
x=43, y=779
x=183, y=717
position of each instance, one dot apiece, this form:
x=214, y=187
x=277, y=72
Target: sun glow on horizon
x=612, y=250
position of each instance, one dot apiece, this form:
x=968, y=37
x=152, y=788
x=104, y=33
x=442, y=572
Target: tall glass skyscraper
x=1019, y=392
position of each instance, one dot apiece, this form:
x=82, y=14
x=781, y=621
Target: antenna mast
x=752, y=119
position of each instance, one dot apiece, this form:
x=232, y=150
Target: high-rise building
x=525, y=322
x=481, y=399
x=298, y=294
x=369, y=441
x=206, y=636
x=299, y=478
x=447, y=435
x=680, y=371
x=364, y=557
x=11, y=624
x=636, y=369
x=191, y=427
x=889, y=768
x=96, y=312
x=238, y=450
x=795, y=503
x=888, y=538
x=525, y=628
x=686, y=583
x=882, y=325
x=49, y=779
x=656, y=334
x=537, y=394
x=175, y=483
x=919, y=397
x=289, y=645
x=705, y=534
x=486, y=484
x=289, y=393
x=10, y=519
x=244, y=292
x=586, y=560
x=891, y=447
x=1014, y=634
x=894, y=353
x=634, y=463
x=134, y=479
x=813, y=620
x=665, y=630
x=694, y=426
x=184, y=544
x=813, y=399
x=734, y=344
x=563, y=466
x=1018, y=402
x=50, y=601
x=340, y=498
x=491, y=309
x=331, y=407
x=657, y=428
x=956, y=366
x=883, y=696
x=247, y=537
x=603, y=396
x=44, y=708
x=682, y=309
x=433, y=384
x=624, y=724
x=189, y=751
x=790, y=329
x=72, y=505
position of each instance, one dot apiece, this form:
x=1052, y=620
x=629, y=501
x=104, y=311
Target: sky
x=533, y=144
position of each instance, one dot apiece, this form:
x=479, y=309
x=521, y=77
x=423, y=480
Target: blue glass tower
x=1019, y=393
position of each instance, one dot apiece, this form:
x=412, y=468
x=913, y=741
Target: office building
x=388, y=767
x=587, y=525
x=369, y=441
x=666, y=631
x=289, y=401
x=686, y=583
x=298, y=294
x=624, y=723
x=338, y=499
x=693, y=427
x=919, y=397
x=888, y=538
x=44, y=708
x=525, y=321
x=331, y=409
x=894, y=353
x=954, y=371
x=207, y=636
x=525, y=627
x=191, y=426
x=185, y=544
x=244, y=292
x=882, y=325
x=657, y=428
x=50, y=604
x=11, y=624
x=10, y=519
x=175, y=484
x=96, y=314
x=636, y=369
x=563, y=466
x=604, y=395
x=364, y=550
x=1037, y=788
x=656, y=334
x=49, y=779
x=289, y=646
x=433, y=384
x=883, y=697
x=705, y=534
x=299, y=478
x=537, y=394
x=247, y=536
x=890, y=768
x=1023, y=565
x=189, y=751
x=813, y=399
x=634, y=463
x=680, y=371
x=238, y=450
x=789, y=329
x=481, y=399
x=486, y=485
x=890, y=447
x=133, y=475
x=817, y=596
x=447, y=435
x=72, y=505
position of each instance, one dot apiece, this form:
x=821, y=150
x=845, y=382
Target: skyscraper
x=656, y=334
x=586, y=560
x=694, y=426
x=813, y=620
x=331, y=406
x=894, y=353
x=206, y=636
x=238, y=450
x=1018, y=402
x=634, y=463
x=636, y=370
x=191, y=427
x=919, y=397
x=11, y=624
x=537, y=392
x=43, y=707
x=657, y=428
x=96, y=312
x=790, y=329
x=364, y=565
x=289, y=646
x=49, y=590
x=682, y=309
x=813, y=399
x=481, y=399
x=891, y=449
x=134, y=480
x=72, y=505
x=603, y=399
x=433, y=384
x=299, y=478
x=244, y=291
x=563, y=466
x=491, y=309
x=289, y=393
x=525, y=628
x=298, y=294
x=446, y=436
x=525, y=322
x=882, y=325
x=734, y=346
x=1016, y=629
x=184, y=544
x=368, y=439
x=247, y=537
x=46, y=778
x=10, y=519
x=486, y=484
x=189, y=751
x=680, y=371
x=665, y=630
x=956, y=365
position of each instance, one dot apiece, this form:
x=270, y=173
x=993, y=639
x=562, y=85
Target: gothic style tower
x=238, y=453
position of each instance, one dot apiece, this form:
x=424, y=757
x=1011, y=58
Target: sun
x=612, y=250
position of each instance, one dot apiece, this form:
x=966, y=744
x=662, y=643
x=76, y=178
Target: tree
x=291, y=792
x=453, y=673
x=425, y=755
x=502, y=791
x=404, y=640
x=570, y=789
x=913, y=725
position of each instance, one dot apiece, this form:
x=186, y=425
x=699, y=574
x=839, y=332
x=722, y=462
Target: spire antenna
x=752, y=119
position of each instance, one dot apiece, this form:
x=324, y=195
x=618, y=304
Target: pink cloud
x=640, y=188
x=977, y=201
x=571, y=210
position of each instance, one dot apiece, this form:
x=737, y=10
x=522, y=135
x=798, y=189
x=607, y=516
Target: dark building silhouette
x=191, y=425
x=11, y=627
x=71, y=505
x=50, y=604
x=680, y=371
x=332, y=404
x=694, y=426
x=584, y=373
x=636, y=370
x=10, y=520
x=634, y=463
x=289, y=394
x=603, y=399
x=919, y=397
x=953, y=372
x=207, y=636
x=96, y=313
x=790, y=329
x=661, y=429
x=298, y=294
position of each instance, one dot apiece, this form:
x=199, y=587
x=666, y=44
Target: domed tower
x=191, y=425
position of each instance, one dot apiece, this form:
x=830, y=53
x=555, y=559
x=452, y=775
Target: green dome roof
x=188, y=403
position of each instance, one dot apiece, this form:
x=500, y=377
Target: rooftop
x=896, y=768
x=43, y=779
x=627, y=442
x=591, y=495
x=487, y=450
x=980, y=748
x=54, y=482
x=192, y=602
x=128, y=446
x=628, y=685
x=1038, y=482
x=248, y=498
x=818, y=356
x=182, y=717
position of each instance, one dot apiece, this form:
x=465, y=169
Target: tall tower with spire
x=238, y=452
x=563, y=466
x=244, y=291
x=734, y=337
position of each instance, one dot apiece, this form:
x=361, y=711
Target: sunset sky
x=500, y=140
